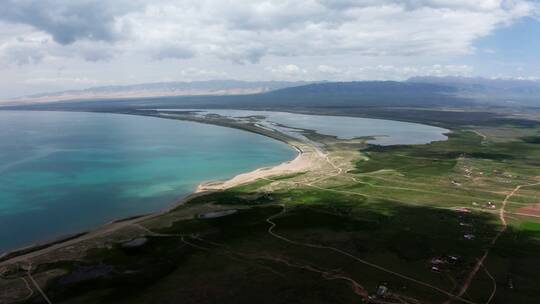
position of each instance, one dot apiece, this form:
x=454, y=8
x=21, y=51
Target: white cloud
x=403, y=72
x=172, y=52
x=202, y=74
x=246, y=31
x=385, y=71
x=20, y=50
x=326, y=39
x=287, y=71
x=61, y=81
x=327, y=69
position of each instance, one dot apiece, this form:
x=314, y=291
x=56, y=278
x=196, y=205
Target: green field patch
x=287, y=176
x=409, y=166
x=250, y=187
x=320, y=197
x=531, y=227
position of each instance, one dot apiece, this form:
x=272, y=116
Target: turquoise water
x=385, y=132
x=64, y=172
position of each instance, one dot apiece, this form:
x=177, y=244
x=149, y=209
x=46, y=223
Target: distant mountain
x=490, y=91
x=415, y=92
x=161, y=89
x=341, y=94
x=366, y=93
x=317, y=95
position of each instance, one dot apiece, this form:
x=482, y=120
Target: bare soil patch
x=532, y=209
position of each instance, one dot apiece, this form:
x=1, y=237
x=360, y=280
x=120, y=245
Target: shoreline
x=304, y=160
x=35, y=250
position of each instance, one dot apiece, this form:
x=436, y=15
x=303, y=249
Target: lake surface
x=62, y=173
x=385, y=132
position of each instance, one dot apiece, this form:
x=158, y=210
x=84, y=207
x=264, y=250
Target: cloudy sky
x=49, y=45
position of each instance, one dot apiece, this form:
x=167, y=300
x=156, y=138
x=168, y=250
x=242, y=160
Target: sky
x=51, y=45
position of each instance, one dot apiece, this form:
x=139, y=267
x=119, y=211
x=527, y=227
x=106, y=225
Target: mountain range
x=158, y=89
x=415, y=92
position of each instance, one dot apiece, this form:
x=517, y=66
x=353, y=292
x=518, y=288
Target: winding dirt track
x=469, y=278
x=283, y=210
x=494, y=290
x=30, y=290
x=480, y=262
x=29, y=272
x=328, y=275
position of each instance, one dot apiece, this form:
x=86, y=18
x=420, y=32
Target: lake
x=64, y=172
x=385, y=132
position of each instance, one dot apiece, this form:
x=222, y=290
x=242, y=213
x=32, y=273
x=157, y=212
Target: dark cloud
x=67, y=20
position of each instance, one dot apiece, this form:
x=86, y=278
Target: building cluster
x=440, y=263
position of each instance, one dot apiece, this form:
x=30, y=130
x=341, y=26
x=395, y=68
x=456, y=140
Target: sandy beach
x=308, y=156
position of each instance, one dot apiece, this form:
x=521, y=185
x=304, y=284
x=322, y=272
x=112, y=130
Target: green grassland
x=325, y=237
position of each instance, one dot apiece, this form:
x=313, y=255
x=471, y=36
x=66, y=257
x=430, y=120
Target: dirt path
x=338, y=169
x=480, y=262
x=327, y=275
x=38, y=288
x=494, y=290
x=371, y=175
x=273, y=225
x=471, y=275
x=484, y=137
x=30, y=290
x=417, y=190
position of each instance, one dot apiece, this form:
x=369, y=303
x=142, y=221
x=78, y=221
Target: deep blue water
x=62, y=172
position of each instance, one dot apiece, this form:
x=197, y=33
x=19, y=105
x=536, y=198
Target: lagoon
x=382, y=132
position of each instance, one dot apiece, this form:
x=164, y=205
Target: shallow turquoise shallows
x=64, y=172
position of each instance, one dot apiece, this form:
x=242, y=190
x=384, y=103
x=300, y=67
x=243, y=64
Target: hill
x=499, y=91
